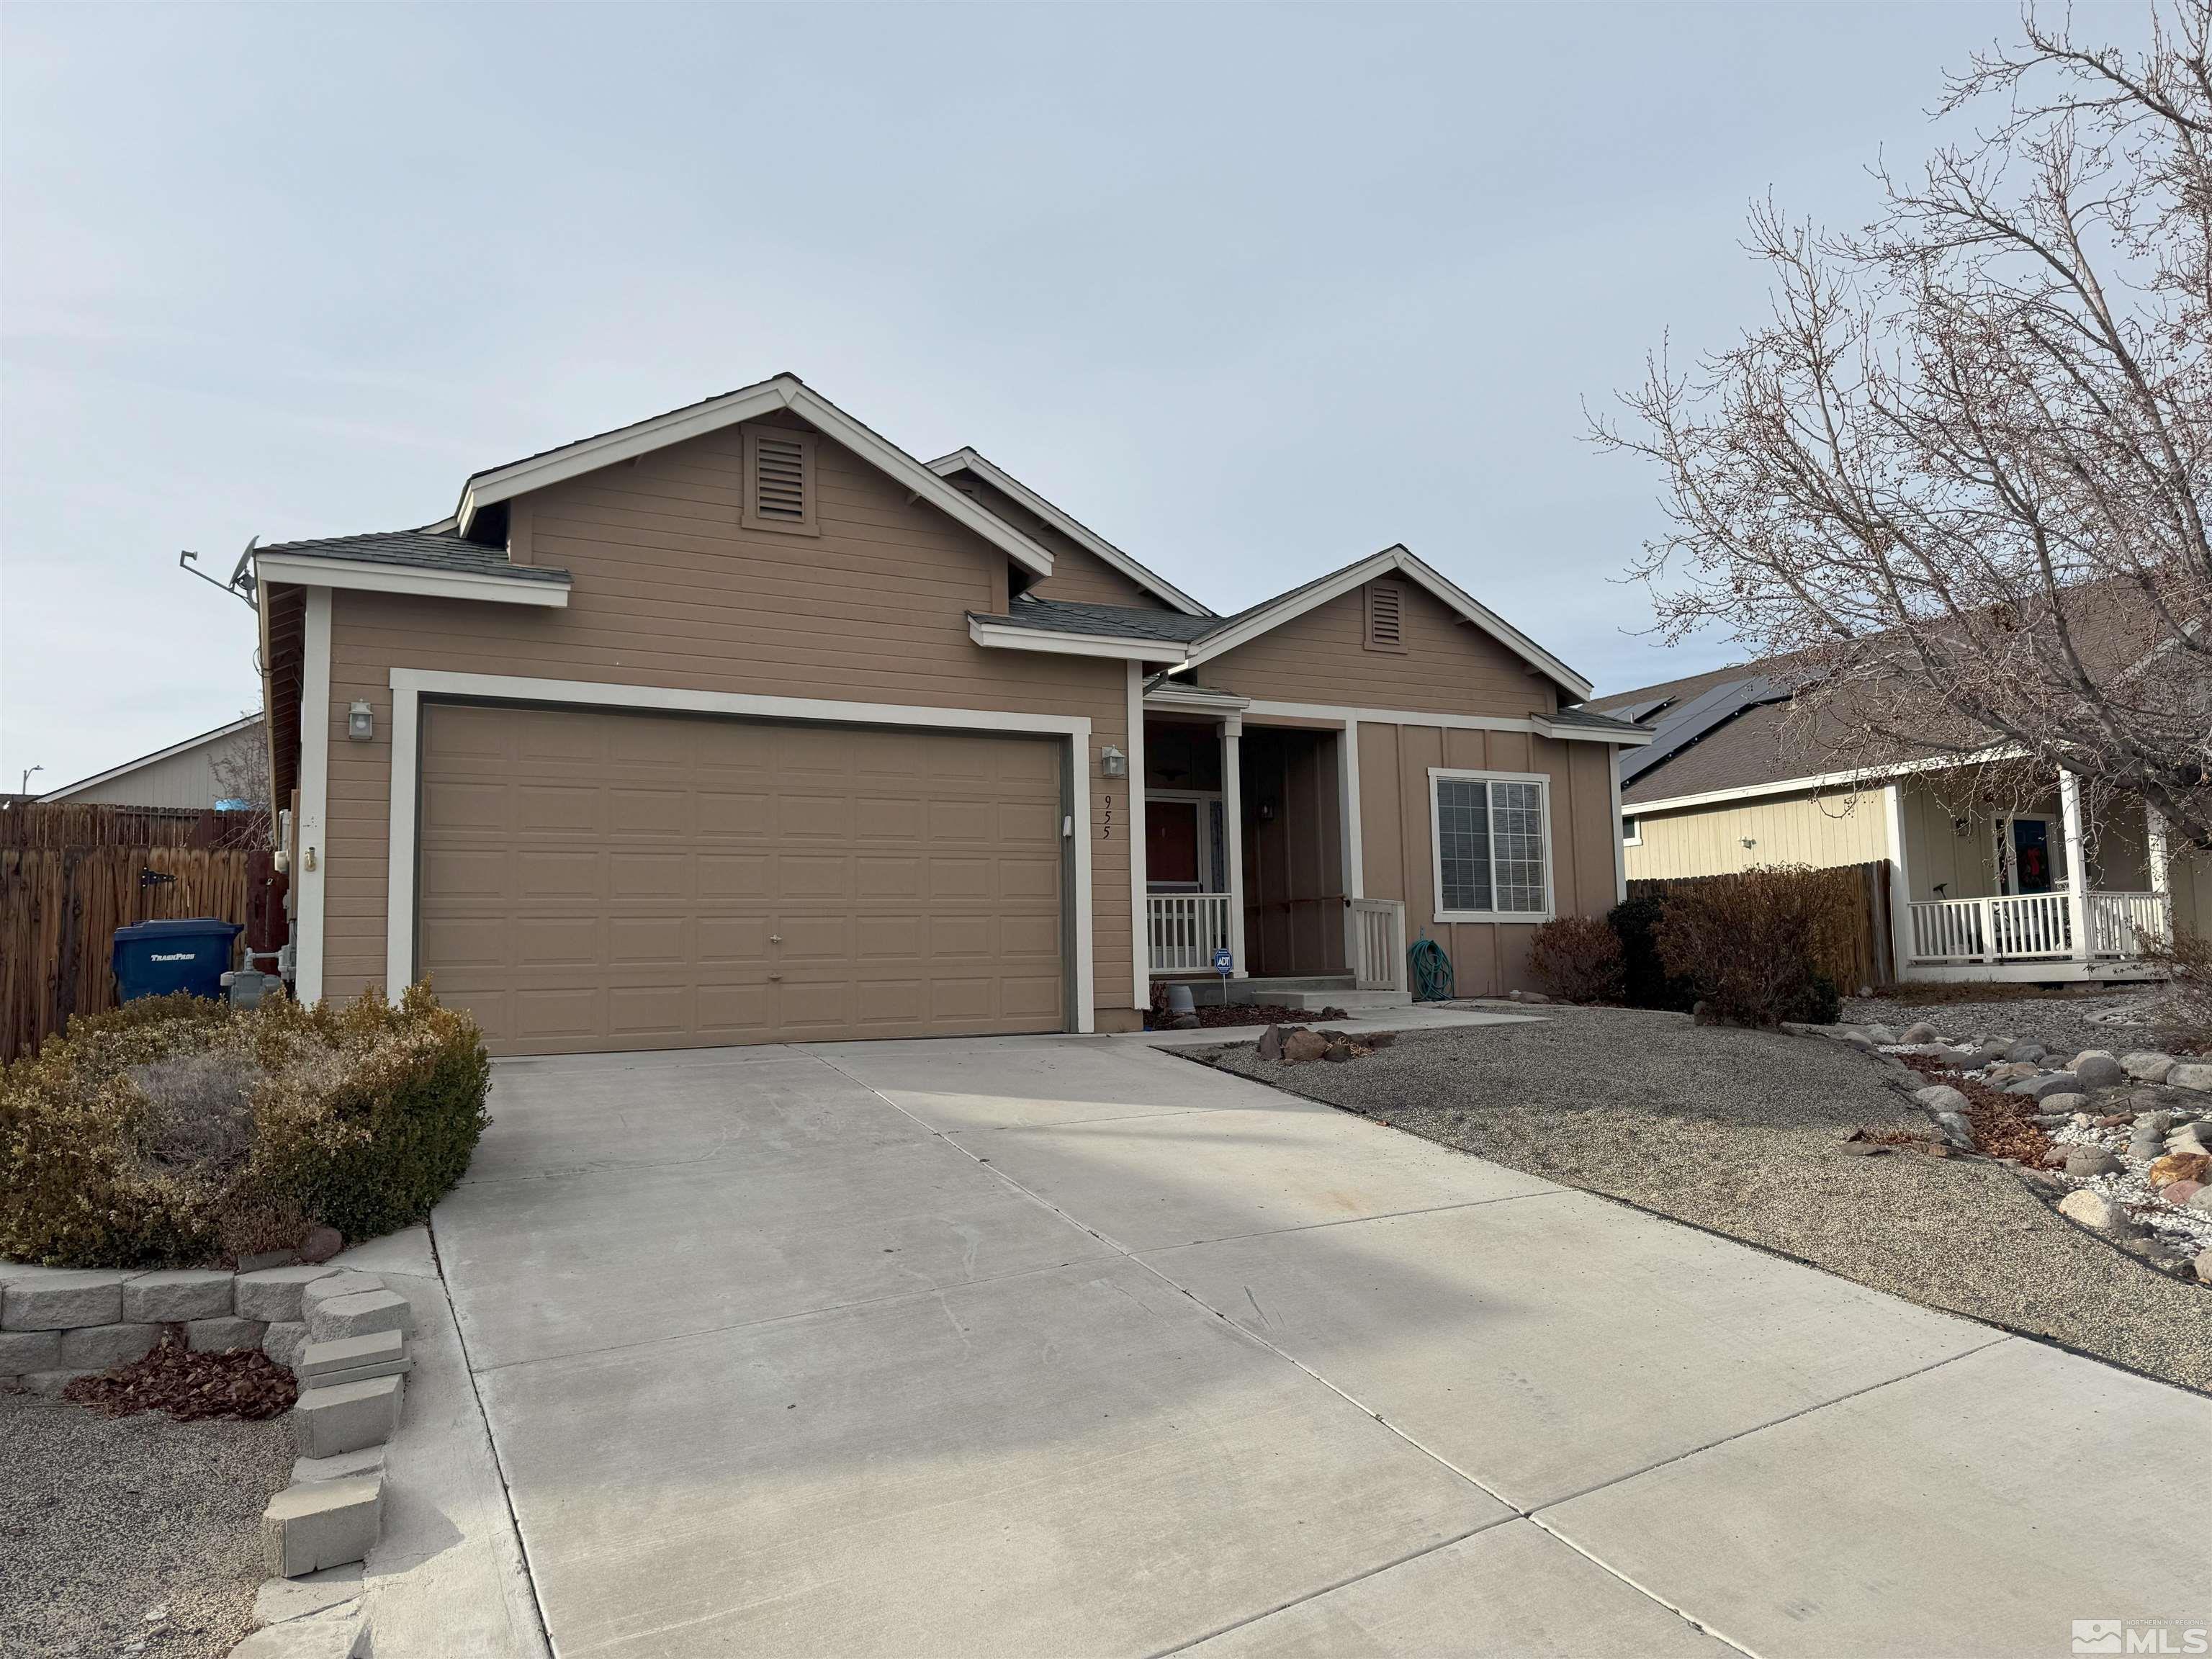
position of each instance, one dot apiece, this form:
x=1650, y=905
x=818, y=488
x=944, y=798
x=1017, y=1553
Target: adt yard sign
x=1224, y=962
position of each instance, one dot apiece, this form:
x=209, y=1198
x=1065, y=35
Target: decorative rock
x=2050, y=1082
x=221, y=1335
x=272, y=1295
x=2202, y=1201
x=1271, y=1044
x=2059, y=1107
x=283, y=1341
x=2011, y=1071
x=1922, y=1032
x=55, y=1298
x=167, y=1299
x=320, y=1245
x=2094, y=1210
x=325, y=1523
x=2174, y=1166
x=1301, y=1046
x=1881, y=1036
x=1339, y=1050
x=2203, y=1267
x=1956, y=1130
x=2180, y=1192
x=2097, y=1069
x=2191, y=1075
x=2030, y=1052
x=1380, y=1039
x=96, y=1347
x=2056, y=1157
x=1995, y=1050
x=29, y=1351
x=280, y=1599
x=2087, y=1160
x=1941, y=1097
x=2146, y=1066
x=354, y=1360
x=344, y=1418
x=345, y=1282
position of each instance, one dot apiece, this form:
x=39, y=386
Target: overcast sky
x=1252, y=291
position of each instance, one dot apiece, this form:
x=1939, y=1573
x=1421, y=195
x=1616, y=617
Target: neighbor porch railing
x=1375, y=943
x=1185, y=930
x=2029, y=927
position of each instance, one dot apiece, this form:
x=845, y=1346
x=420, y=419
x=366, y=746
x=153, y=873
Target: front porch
x=2031, y=893
x=1247, y=853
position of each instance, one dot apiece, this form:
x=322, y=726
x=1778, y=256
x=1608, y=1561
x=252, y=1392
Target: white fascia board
x=784, y=392
x=1354, y=576
x=1819, y=780
x=361, y=576
x=159, y=755
x=1169, y=697
x=967, y=460
x=999, y=637
x=1565, y=732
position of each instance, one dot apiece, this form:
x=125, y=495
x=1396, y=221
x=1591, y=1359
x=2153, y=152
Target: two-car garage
x=593, y=879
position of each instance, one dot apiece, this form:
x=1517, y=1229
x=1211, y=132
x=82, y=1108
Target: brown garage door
x=592, y=880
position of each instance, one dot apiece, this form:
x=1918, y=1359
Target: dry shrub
x=2186, y=961
x=174, y=1131
x=1750, y=942
x=1578, y=959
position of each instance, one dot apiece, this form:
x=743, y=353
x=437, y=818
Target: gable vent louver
x=1386, y=621
x=780, y=483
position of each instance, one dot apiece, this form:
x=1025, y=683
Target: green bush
x=1645, y=981
x=174, y=1131
x=1749, y=942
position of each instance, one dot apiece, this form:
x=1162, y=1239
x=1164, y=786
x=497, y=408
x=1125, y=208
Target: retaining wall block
x=173, y=1297
x=325, y=1523
x=346, y=1417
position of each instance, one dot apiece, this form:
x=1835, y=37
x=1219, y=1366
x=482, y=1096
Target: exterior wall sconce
x=361, y=721
x=1750, y=842
x=1112, y=762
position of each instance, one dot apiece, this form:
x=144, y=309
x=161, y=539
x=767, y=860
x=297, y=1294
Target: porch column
x=2077, y=867
x=1901, y=883
x=1232, y=831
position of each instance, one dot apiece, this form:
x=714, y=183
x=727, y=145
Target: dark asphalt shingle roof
x=1588, y=719
x=417, y=550
x=1121, y=621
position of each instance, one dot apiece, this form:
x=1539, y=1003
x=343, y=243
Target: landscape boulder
x=2146, y=1066
x=2178, y=1166
x=2190, y=1075
x=2180, y=1192
x=2059, y=1107
x=2029, y=1052
x=1271, y=1044
x=1941, y=1097
x=2095, y=1211
x=2097, y=1069
x=1301, y=1046
x=1922, y=1032
x=2084, y=1162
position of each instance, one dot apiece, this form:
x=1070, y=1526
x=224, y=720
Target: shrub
x=1748, y=942
x=1577, y=958
x=172, y=1131
x=1645, y=981
x=2186, y=961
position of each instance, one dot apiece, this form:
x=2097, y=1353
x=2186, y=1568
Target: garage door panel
x=592, y=880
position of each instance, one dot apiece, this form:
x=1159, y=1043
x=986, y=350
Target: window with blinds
x=1386, y=616
x=779, y=480
x=1492, y=845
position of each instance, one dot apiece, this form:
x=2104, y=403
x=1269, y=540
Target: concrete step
x=1307, y=999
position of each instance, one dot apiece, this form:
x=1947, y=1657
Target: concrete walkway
x=1069, y=1347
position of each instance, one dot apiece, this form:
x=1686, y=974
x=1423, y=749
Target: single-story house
x=740, y=724
x=197, y=775
x=1984, y=883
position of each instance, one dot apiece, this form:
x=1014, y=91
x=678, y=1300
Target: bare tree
x=241, y=773
x=1960, y=477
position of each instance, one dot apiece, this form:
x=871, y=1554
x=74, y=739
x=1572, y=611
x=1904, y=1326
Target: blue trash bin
x=155, y=957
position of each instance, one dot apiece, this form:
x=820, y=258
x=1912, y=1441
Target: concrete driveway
x=1068, y=1346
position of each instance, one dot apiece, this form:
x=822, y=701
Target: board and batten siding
x=670, y=590
x=1824, y=833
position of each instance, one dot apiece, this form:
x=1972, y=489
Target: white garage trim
x=410, y=685
x=310, y=836
x=1140, y=932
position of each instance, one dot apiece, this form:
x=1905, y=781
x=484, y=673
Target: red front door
x=1171, y=842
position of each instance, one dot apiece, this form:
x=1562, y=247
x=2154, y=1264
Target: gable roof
x=1187, y=641
x=970, y=461
x=781, y=391
x=203, y=740
x=434, y=561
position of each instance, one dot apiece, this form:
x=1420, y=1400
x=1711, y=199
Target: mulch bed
x=1999, y=1120
x=242, y=1382
x=1253, y=1013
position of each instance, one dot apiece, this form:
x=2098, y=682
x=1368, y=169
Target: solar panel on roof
x=1711, y=708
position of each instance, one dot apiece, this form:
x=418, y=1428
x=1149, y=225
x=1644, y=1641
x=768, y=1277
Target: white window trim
x=1457, y=774
x=410, y=685
x=1636, y=840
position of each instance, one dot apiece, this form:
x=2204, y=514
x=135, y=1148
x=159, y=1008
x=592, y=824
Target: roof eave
x=363, y=576
x=1000, y=636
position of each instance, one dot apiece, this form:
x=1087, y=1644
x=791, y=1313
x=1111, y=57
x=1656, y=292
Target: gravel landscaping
x=130, y=1536
x=2092, y=1016
x=1779, y=1140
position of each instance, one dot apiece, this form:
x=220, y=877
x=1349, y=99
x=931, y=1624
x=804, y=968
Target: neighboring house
x=742, y=725
x=1979, y=888
x=194, y=775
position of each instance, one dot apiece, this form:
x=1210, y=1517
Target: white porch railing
x=1375, y=943
x=1186, y=929
x=2026, y=927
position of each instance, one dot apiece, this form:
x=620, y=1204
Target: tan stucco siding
x=1397, y=845
x=1448, y=666
x=1832, y=830
x=670, y=590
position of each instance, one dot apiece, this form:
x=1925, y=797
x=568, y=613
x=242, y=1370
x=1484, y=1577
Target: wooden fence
x=70, y=876
x=1866, y=956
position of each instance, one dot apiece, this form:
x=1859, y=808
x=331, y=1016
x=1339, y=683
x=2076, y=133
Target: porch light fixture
x=361, y=721
x=1112, y=762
